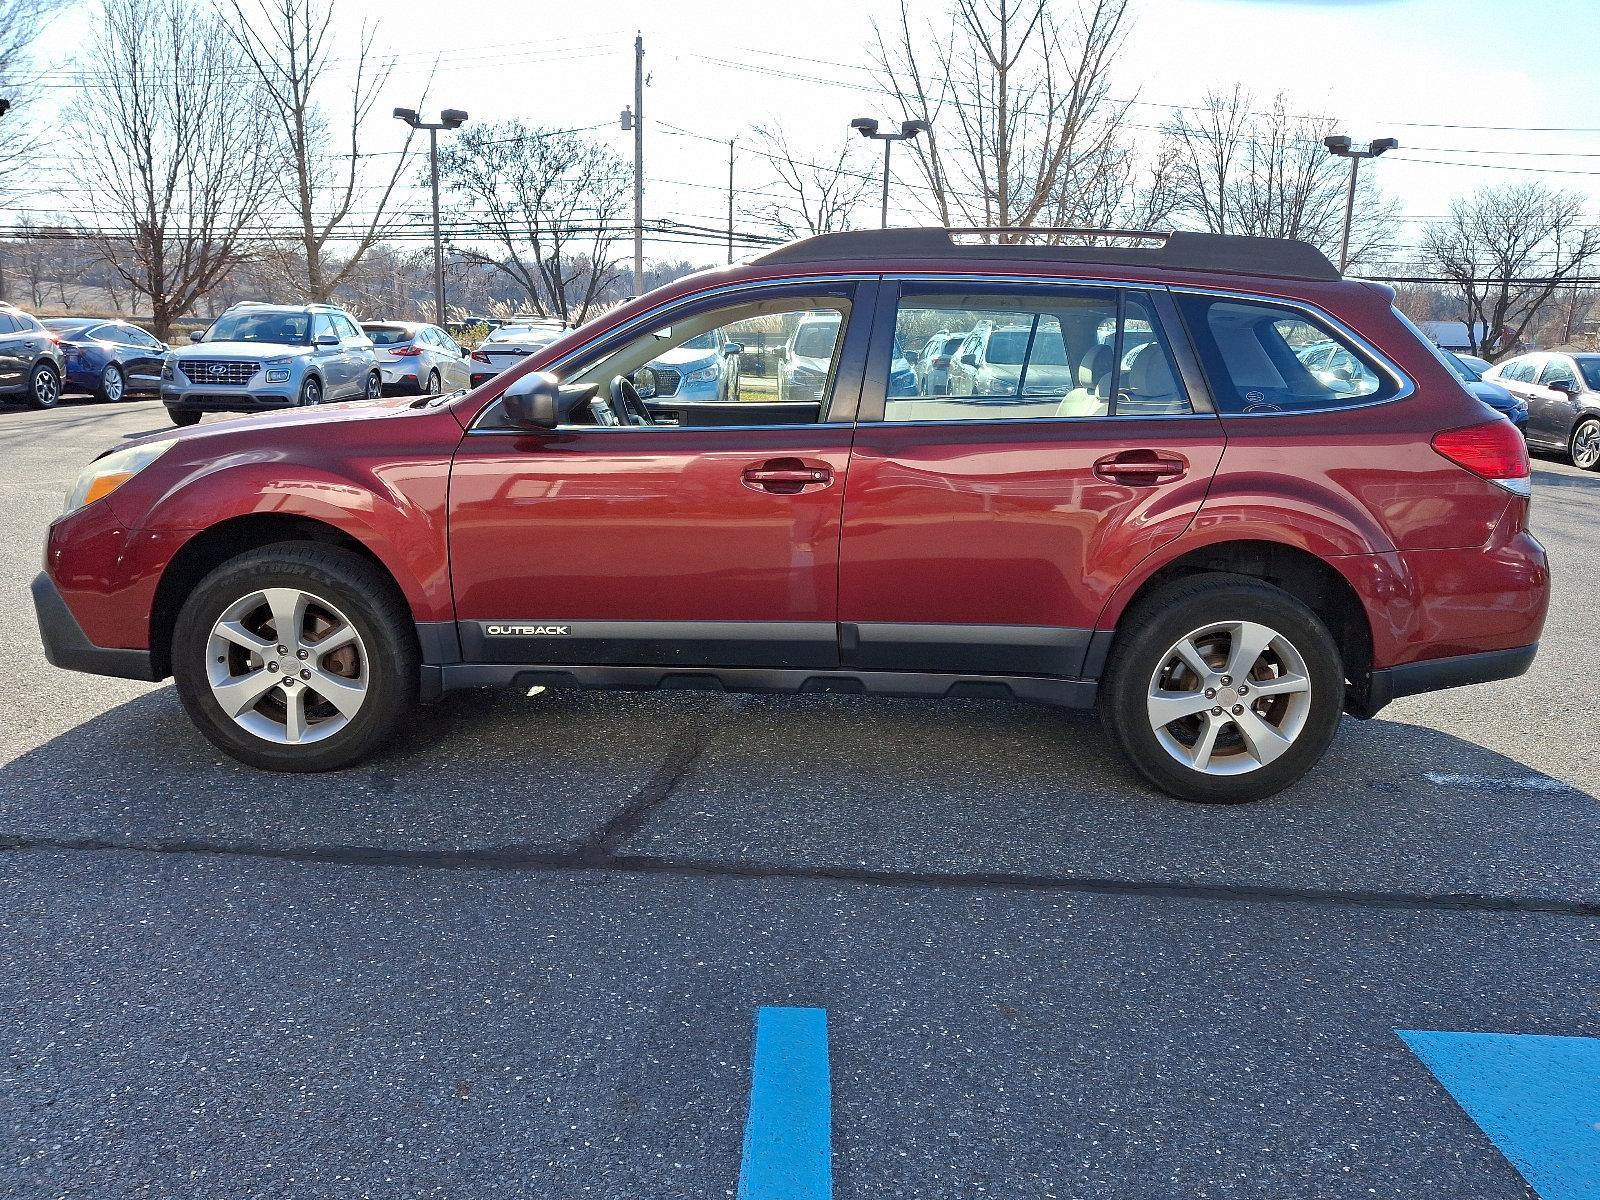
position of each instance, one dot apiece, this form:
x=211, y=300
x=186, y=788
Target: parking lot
x=522, y=955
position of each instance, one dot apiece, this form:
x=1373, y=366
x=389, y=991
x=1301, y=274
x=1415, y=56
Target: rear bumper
x=1436, y=674
x=68, y=647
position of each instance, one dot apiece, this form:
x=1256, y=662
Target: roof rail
x=1177, y=250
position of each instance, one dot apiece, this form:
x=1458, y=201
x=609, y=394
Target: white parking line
x=1516, y=783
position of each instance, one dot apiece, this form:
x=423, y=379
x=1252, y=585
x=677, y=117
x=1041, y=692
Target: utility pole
x=730, y=201
x=868, y=128
x=638, y=164
x=5, y=107
x=450, y=118
x=1341, y=147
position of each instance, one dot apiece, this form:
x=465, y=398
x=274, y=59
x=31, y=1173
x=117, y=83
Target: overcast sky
x=1436, y=74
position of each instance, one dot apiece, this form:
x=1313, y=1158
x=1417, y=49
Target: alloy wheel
x=46, y=388
x=287, y=666
x=374, y=386
x=1229, y=698
x=1586, y=445
x=111, y=383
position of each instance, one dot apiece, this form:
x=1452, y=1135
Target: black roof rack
x=1173, y=250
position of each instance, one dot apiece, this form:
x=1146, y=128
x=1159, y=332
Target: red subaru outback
x=1206, y=485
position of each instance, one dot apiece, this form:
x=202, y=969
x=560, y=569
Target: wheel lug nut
x=1211, y=693
x=272, y=666
x=305, y=674
x=1243, y=691
x=1226, y=680
x=283, y=649
x=1238, y=709
x=1216, y=712
x=303, y=654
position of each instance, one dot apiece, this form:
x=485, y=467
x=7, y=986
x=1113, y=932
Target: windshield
x=706, y=341
x=815, y=339
x=289, y=329
x=387, y=335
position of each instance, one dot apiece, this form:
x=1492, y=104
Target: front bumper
x=240, y=401
x=68, y=647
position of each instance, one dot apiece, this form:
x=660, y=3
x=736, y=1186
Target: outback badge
x=527, y=630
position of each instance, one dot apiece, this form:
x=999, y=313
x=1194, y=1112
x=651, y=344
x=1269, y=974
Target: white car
x=509, y=345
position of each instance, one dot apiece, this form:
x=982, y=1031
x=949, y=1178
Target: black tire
x=374, y=385
x=310, y=391
x=1584, y=446
x=1157, y=623
x=434, y=386
x=183, y=416
x=113, y=384
x=362, y=593
x=44, y=386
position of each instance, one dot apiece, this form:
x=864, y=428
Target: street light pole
x=1341, y=147
x=450, y=118
x=638, y=164
x=867, y=127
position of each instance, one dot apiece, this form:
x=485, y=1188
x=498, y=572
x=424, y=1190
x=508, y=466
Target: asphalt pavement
x=522, y=954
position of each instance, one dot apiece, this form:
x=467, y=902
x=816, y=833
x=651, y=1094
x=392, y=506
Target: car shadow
x=1572, y=477
x=819, y=785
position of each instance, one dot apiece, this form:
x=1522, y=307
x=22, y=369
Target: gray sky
x=1388, y=67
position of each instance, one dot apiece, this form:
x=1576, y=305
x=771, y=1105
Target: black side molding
x=1435, y=674
x=68, y=647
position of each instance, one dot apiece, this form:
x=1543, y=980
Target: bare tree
x=1266, y=173
x=171, y=136
x=21, y=23
x=1025, y=128
x=549, y=204
x=816, y=196
x=325, y=181
x=1506, y=251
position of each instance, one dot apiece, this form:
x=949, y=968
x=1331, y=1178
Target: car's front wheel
x=1222, y=689
x=296, y=657
x=374, y=385
x=1585, y=447
x=310, y=391
x=183, y=416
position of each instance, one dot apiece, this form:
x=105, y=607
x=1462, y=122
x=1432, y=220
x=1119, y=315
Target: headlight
x=105, y=475
x=277, y=374
x=167, y=370
x=703, y=375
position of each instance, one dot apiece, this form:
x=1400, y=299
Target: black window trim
x=874, y=392
x=1404, y=387
x=853, y=354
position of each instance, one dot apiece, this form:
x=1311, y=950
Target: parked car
x=264, y=356
x=933, y=363
x=704, y=368
x=507, y=346
x=804, y=368
x=1562, y=392
x=1491, y=393
x=109, y=359
x=1221, y=577
x=31, y=363
x=989, y=362
x=416, y=358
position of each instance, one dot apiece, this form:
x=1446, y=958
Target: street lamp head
x=453, y=118
x=910, y=129
x=1337, y=145
x=408, y=115
x=865, y=126
x=1382, y=144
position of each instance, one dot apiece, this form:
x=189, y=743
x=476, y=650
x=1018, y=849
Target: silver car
x=417, y=358
x=264, y=356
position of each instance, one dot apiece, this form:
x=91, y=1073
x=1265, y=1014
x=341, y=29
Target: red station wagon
x=1128, y=491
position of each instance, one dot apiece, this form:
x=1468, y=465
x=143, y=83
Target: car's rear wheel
x=44, y=387
x=433, y=383
x=310, y=391
x=113, y=384
x=1585, y=447
x=1222, y=689
x=183, y=416
x=296, y=657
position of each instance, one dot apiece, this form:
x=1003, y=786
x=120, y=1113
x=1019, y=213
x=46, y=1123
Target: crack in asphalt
x=598, y=855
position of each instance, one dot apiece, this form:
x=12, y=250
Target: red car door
x=984, y=533
x=713, y=542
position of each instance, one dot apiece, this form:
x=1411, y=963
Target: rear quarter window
x=1261, y=357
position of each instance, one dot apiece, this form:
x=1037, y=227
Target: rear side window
x=1520, y=369
x=1269, y=358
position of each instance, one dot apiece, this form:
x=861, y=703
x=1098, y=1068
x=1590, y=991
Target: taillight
x=479, y=356
x=406, y=351
x=1493, y=450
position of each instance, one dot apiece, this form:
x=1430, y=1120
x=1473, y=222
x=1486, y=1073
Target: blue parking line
x=788, y=1134
x=1536, y=1096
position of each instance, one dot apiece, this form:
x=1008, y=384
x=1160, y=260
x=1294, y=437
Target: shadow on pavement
x=959, y=791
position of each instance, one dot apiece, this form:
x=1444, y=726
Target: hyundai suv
x=263, y=356
x=1187, y=529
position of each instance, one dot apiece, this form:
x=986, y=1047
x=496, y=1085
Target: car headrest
x=1094, y=366
x=1151, y=374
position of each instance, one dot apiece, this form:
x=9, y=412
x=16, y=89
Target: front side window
x=1032, y=353
x=344, y=326
x=777, y=351
x=1265, y=358
x=1558, y=370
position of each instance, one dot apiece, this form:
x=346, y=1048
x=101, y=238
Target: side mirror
x=1565, y=386
x=326, y=339
x=530, y=402
x=196, y=334
x=969, y=359
x=730, y=349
